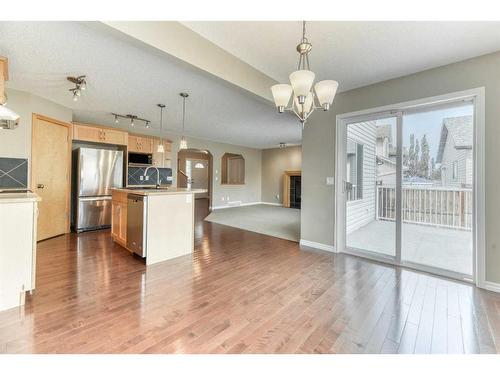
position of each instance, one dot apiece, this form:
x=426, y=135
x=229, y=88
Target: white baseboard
x=240, y=205
x=491, y=286
x=246, y=204
x=317, y=245
x=271, y=204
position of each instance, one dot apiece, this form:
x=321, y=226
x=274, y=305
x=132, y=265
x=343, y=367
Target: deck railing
x=439, y=206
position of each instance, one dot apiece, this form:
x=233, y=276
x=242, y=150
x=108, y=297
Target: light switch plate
x=330, y=180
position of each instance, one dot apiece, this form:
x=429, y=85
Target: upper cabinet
x=98, y=134
x=134, y=142
x=137, y=143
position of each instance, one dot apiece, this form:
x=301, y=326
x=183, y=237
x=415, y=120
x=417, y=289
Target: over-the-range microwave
x=136, y=159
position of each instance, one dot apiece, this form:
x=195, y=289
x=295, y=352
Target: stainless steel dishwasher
x=136, y=224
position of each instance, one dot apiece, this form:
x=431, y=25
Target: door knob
x=40, y=186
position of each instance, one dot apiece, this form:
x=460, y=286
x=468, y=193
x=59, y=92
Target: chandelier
x=305, y=100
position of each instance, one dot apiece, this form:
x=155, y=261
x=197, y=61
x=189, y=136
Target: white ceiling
x=127, y=77
x=354, y=53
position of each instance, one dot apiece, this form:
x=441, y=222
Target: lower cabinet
x=119, y=218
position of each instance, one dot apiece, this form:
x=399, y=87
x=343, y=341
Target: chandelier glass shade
x=304, y=98
x=183, y=143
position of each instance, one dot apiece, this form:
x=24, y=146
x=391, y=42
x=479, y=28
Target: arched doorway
x=194, y=170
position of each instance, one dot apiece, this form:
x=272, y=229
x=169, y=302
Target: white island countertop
x=6, y=197
x=160, y=191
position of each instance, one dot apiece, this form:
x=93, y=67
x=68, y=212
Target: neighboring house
x=455, y=152
x=386, y=156
x=361, y=145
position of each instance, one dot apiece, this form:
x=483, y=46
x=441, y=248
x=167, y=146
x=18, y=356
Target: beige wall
x=275, y=162
x=248, y=193
x=317, y=221
x=17, y=143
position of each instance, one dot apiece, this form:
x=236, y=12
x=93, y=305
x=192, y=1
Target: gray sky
x=429, y=122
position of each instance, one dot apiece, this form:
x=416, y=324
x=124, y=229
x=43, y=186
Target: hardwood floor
x=241, y=292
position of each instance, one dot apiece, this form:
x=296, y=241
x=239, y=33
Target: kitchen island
x=18, y=224
x=156, y=224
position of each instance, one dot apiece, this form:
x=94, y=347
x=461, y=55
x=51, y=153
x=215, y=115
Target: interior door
x=50, y=174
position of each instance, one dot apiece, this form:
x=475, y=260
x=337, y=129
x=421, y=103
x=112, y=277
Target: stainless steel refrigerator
x=95, y=173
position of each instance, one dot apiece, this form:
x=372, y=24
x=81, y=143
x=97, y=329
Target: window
x=233, y=169
x=354, y=183
x=455, y=170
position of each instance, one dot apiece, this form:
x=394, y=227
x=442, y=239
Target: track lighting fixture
x=282, y=145
x=80, y=84
x=133, y=119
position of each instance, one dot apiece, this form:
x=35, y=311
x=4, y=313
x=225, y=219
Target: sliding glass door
x=407, y=180
x=370, y=185
x=437, y=187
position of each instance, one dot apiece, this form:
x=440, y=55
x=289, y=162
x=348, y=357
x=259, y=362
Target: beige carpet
x=274, y=221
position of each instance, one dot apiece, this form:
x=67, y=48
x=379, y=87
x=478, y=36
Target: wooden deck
x=241, y=292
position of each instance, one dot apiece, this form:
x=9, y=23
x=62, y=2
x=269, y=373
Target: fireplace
x=295, y=191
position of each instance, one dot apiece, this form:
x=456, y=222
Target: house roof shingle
x=461, y=131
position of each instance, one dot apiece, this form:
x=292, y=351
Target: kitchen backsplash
x=135, y=173
x=13, y=173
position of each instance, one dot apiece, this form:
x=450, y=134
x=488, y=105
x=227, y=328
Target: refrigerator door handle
x=99, y=198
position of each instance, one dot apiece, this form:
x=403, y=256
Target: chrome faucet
x=157, y=175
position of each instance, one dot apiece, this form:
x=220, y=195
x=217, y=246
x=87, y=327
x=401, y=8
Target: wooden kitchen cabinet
x=99, y=134
x=114, y=137
x=86, y=133
x=137, y=143
x=119, y=217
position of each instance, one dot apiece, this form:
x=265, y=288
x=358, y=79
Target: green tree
x=424, y=158
x=411, y=157
x=416, y=158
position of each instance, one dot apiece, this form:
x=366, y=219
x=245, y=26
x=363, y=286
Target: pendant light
x=161, y=148
x=183, y=142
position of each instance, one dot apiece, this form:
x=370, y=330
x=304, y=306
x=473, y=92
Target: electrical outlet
x=141, y=178
x=330, y=180
x=169, y=178
x=147, y=178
